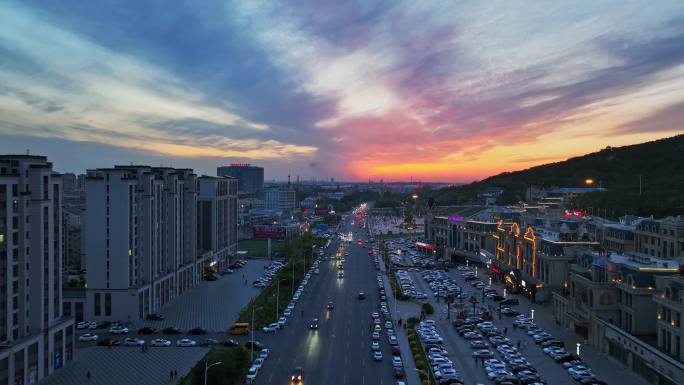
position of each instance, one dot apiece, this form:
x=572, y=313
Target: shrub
x=428, y=309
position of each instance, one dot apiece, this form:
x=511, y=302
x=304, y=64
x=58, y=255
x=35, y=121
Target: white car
x=160, y=342
x=252, y=374
x=316, y=271
x=375, y=345
x=82, y=325
x=118, y=330
x=134, y=342
x=272, y=328
x=258, y=363
x=291, y=306
x=287, y=312
x=377, y=355
x=264, y=353
x=396, y=361
x=186, y=342
x=92, y=325
x=87, y=337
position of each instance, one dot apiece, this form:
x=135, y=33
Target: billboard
x=321, y=212
x=268, y=231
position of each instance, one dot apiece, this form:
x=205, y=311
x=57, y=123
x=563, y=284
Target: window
x=108, y=304
x=97, y=304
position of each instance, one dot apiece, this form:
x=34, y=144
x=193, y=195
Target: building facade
x=280, y=199
x=217, y=219
x=661, y=238
x=35, y=338
x=141, y=240
x=250, y=178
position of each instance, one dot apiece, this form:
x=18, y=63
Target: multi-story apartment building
x=140, y=239
x=670, y=314
x=661, y=238
x=35, y=339
x=217, y=219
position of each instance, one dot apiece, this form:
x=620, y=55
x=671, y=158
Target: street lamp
x=504, y=292
x=251, y=348
x=490, y=281
x=589, y=181
x=206, y=368
x=578, y=349
x=532, y=311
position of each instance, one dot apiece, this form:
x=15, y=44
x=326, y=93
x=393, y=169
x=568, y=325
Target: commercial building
x=250, y=178
x=140, y=240
x=35, y=338
x=280, y=199
x=217, y=219
x=661, y=238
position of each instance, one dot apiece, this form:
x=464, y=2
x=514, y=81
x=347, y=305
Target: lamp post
x=206, y=368
x=490, y=281
x=504, y=292
x=578, y=349
x=251, y=348
x=532, y=312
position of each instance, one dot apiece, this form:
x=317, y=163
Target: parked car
x=147, y=330
x=118, y=330
x=160, y=342
x=197, y=331
x=88, y=337
x=186, y=342
x=134, y=342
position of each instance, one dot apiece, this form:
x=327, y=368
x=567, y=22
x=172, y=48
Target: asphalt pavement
x=339, y=351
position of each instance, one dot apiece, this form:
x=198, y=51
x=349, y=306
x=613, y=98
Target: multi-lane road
x=339, y=351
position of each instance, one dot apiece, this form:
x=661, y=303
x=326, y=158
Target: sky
x=439, y=90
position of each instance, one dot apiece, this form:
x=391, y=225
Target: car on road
x=478, y=344
x=88, y=337
x=282, y=321
x=270, y=328
x=375, y=336
x=388, y=324
x=171, y=330
x=147, y=330
x=287, y=312
x=258, y=363
x=134, y=342
x=396, y=361
x=252, y=374
x=297, y=375
x=118, y=330
x=154, y=317
x=398, y=372
x=160, y=342
x=375, y=345
x=197, y=331
x=392, y=340
x=377, y=355
x=361, y=295
x=330, y=305
x=82, y=325
x=314, y=324
x=256, y=345
x=186, y=343
x=108, y=342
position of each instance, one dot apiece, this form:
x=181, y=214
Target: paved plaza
x=211, y=305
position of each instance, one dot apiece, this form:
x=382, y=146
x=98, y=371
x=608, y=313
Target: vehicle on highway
x=330, y=305
x=398, y=372
x=186, y=342
x=377, y=355
x=171, y=330
x=340, y=275
x=396, y=361
x=264, y=353
x=361, y=295
x=88, y=337
x=297, y=375
x=134, y=342
x=160, y=342
x=287, y=312
x=252, y=374
x=258, y=363
x=282, y=321
x=270, y=328
x=314, y=324
x=375, y=345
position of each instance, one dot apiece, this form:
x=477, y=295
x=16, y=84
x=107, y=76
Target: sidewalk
x=403, y=310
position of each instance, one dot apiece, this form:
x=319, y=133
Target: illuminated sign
x=240, y=165
x=425, y=246
x=268, y=231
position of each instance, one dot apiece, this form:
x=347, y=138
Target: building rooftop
x=642, y=262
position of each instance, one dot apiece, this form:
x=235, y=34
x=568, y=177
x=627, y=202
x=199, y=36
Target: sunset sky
x=434, y=90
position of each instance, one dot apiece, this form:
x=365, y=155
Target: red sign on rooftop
x=240, y=165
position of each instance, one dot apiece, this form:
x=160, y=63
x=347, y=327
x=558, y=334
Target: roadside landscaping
x=234, y=363
x=419, y=356
x=265, y=303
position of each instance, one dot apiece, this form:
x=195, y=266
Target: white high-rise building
x=35, y=339
x=217, y=219
x=140, y=240
x=280, y=199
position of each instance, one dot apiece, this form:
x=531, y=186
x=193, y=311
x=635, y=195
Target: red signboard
x=240, y=164
x=268, y=231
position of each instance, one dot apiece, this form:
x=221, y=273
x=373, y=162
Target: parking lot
x=498, y=342
x=212, y=305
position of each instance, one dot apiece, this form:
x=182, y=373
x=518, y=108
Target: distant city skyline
x=437, y=90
